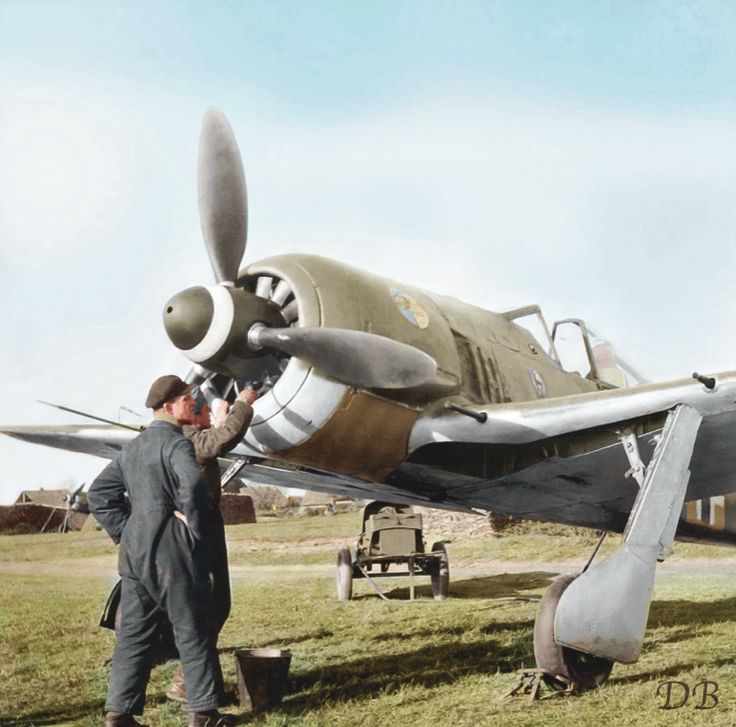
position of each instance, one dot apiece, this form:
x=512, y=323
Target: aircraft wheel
x=585, y=671
x=440, y=572
x=344, y=575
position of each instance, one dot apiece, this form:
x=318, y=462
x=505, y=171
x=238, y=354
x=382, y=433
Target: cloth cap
x=166, y=388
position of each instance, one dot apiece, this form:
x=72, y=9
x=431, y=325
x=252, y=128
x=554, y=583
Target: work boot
x=121, y=719
x=211, y=718
x=177, y=690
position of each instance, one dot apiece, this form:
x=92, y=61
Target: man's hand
x=248, y=396
x=181, y=516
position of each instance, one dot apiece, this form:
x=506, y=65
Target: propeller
x=223, y=202
x=197, y=375
x=71, y=506
x=220, y=327
x=361, y=359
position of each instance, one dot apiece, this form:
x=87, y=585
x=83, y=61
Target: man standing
x=152, y=500
x=209, y=444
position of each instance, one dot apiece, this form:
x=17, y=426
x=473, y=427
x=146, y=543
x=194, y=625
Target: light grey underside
x=588, y=489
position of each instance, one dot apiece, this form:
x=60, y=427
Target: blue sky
x=581, y=155
x=317, y=58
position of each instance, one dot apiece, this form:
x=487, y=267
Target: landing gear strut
x=587, y=622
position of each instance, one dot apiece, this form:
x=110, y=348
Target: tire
x=440, y=572
x=585, y=671
x=344, y=575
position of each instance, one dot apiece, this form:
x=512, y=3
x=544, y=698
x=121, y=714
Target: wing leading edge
x=563, y=459
x=560, y=460
x=106, y=441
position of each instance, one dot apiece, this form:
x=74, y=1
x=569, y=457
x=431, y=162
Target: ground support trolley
x=392, y=538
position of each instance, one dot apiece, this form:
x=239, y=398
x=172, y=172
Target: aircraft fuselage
x=309, y=419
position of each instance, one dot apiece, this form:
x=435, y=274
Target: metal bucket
x=262, y=677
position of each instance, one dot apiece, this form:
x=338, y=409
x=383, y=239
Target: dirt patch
x=75, y=568
x=248, y=546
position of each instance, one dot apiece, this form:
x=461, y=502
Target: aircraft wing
x=341, y=485
x=99, y=440
x=107, y=440
x=563, y=459
x=560, y=460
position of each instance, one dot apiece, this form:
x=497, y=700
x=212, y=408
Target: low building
x=53, y=498
x=30, y=518
x=41, y=510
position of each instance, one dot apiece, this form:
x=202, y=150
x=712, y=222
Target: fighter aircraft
x=374, y=389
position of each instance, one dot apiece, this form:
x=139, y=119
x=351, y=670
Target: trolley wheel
x=585, y=671
x=440, y=572
x=344, y=575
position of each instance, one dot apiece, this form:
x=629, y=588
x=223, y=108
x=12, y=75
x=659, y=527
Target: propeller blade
x=355, y=357
x=200, y=376
x=223, y=203
x=196, y=375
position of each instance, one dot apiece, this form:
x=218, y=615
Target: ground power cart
x=391, y=545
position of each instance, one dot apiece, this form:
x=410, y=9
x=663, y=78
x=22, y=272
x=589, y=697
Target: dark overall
x=162, y=562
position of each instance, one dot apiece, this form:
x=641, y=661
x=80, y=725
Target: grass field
x=368, y=662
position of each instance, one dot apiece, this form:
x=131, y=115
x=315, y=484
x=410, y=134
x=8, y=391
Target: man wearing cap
x=209, y=444
x=152, y=500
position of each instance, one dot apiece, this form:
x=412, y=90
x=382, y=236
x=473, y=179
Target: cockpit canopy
x=584, y=351
x=577, y=348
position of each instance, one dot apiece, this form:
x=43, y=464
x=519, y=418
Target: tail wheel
x=344, y=575
x=585, y=671
x=440, y=572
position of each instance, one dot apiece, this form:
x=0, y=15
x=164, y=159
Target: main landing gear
x=562, y=666
x=587, y=622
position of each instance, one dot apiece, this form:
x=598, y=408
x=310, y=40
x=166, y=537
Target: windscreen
x=583, y=351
